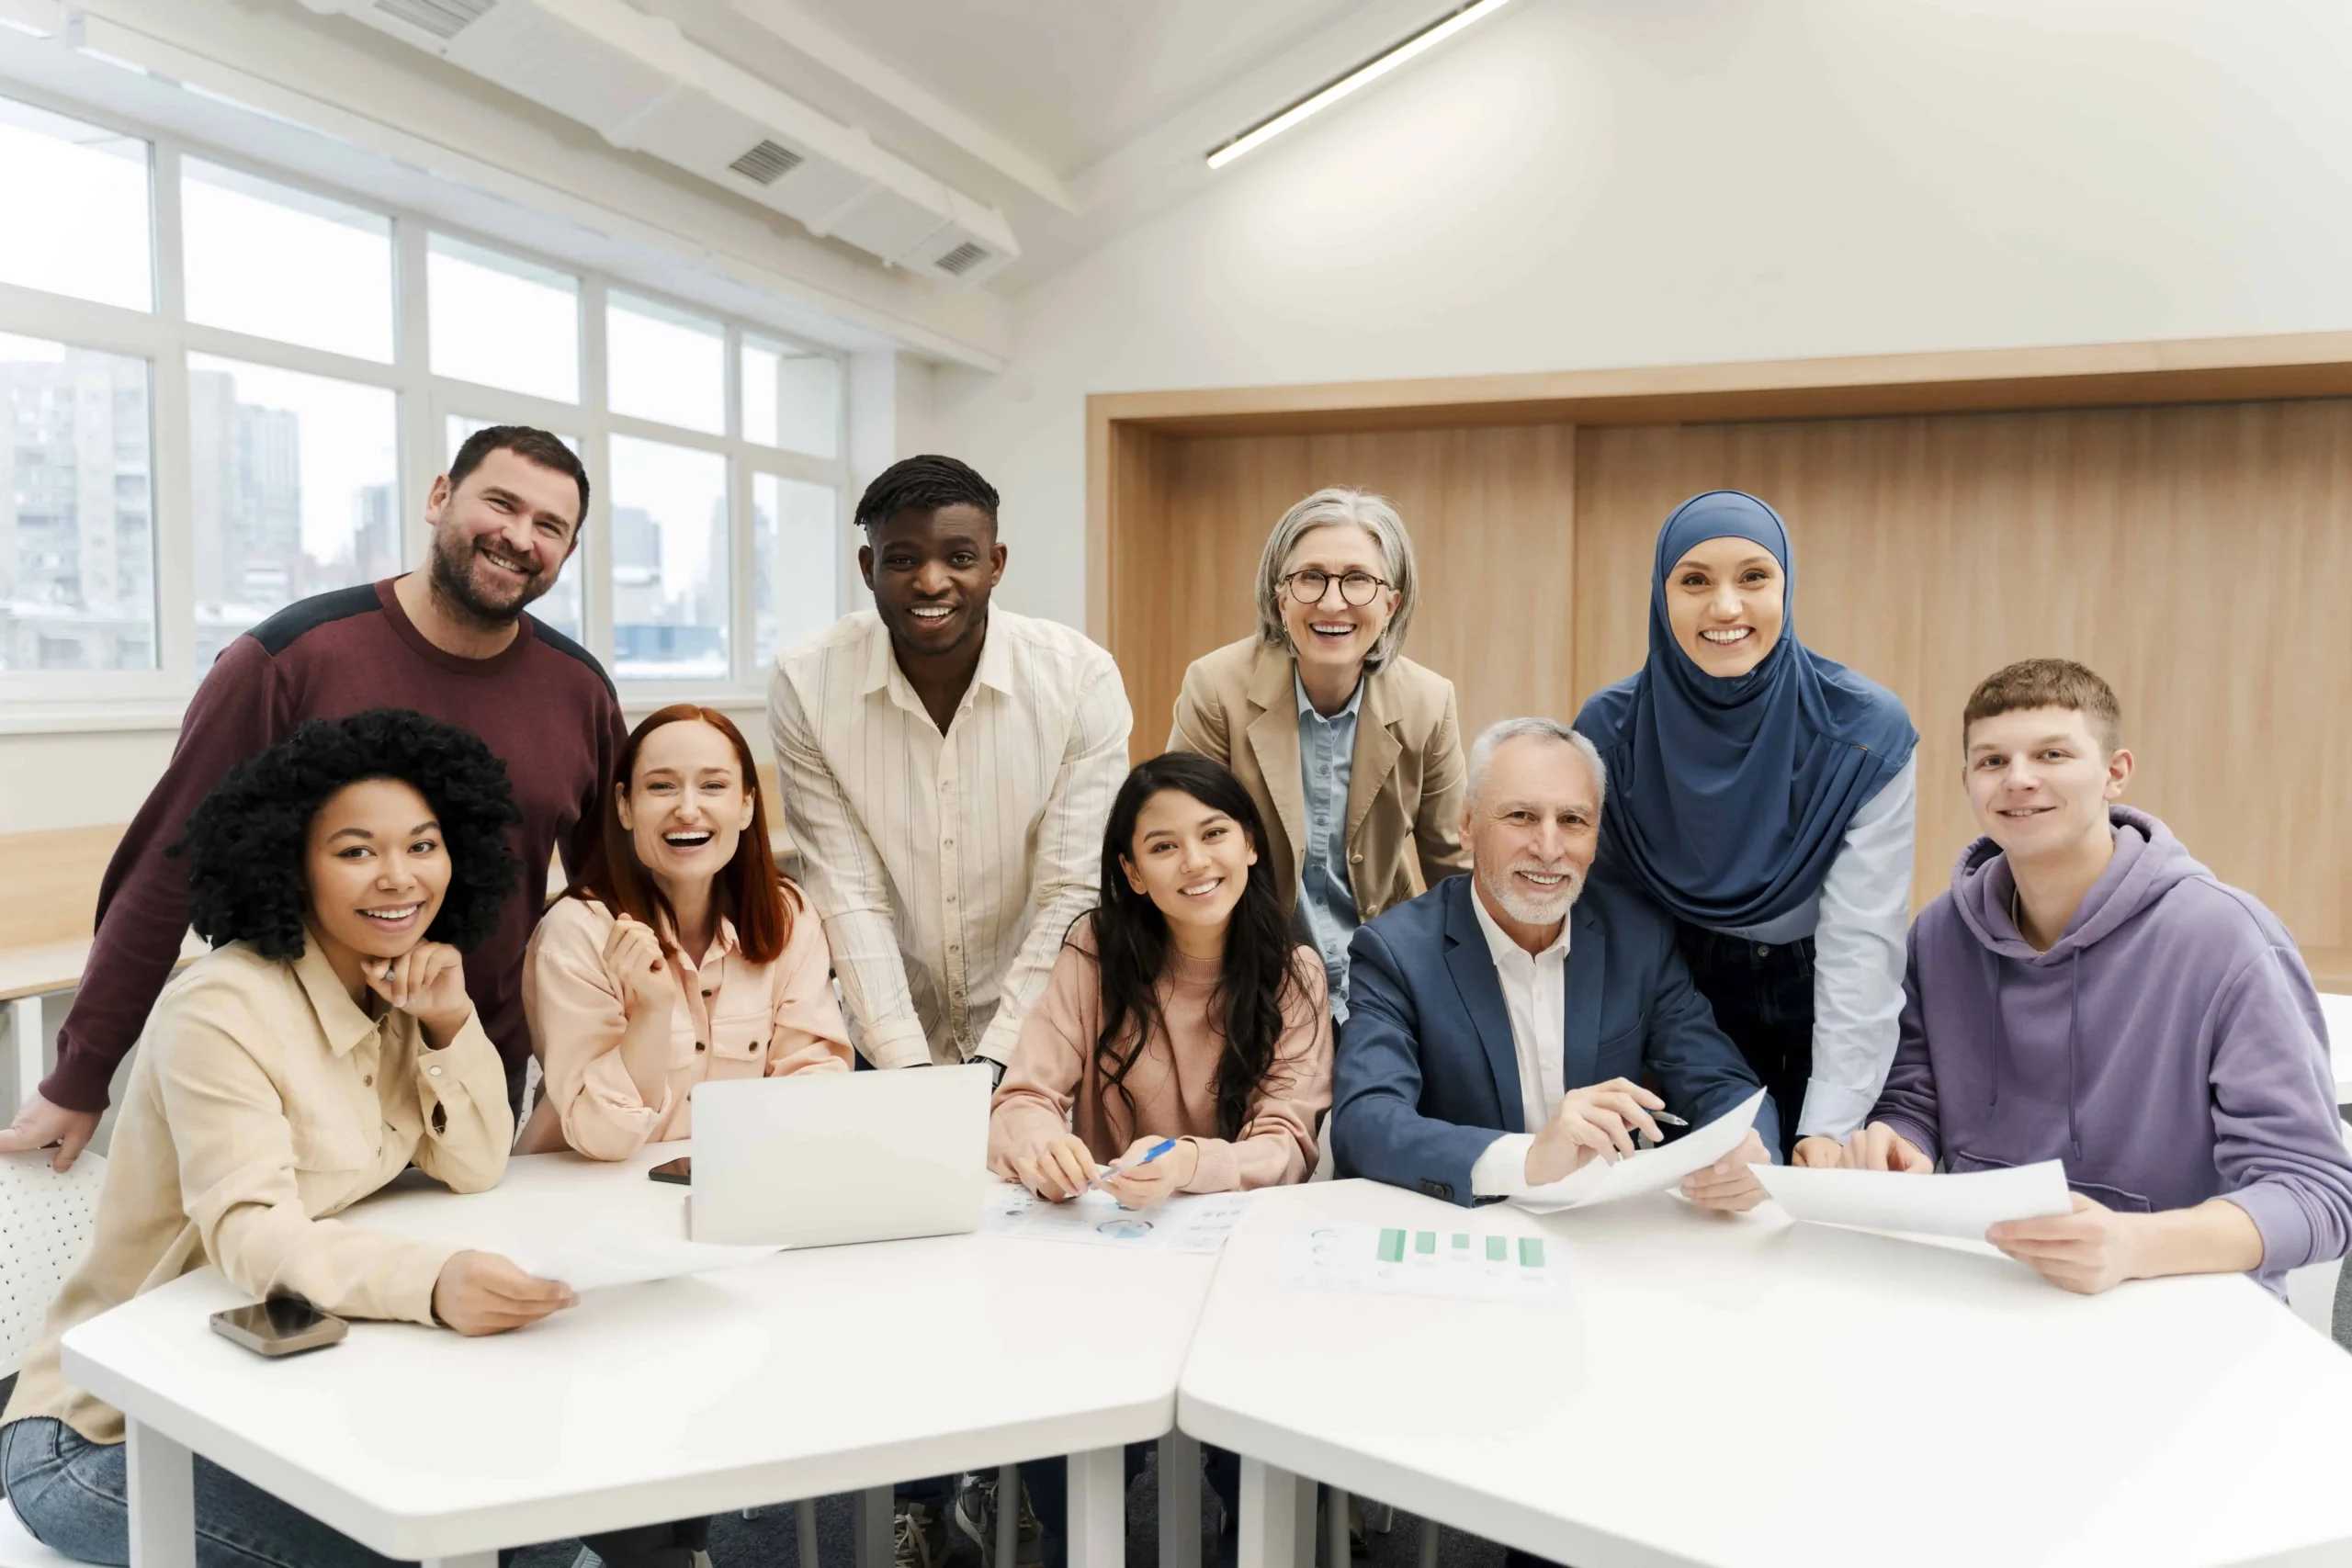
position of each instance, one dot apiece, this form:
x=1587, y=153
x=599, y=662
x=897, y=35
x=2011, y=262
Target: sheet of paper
x=1961, y=1205
x=1186, y=1223
x=1651, y=1171
x=589, y=1260
x=1460, y=1265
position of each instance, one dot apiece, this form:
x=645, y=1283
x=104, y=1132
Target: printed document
x=1186, y=1223
x=1651, y=1170
x=1962, y=1205
x=591, y=1259
x=1403, y=1260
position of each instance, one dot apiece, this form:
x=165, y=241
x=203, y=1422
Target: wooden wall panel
x=2194, y=556
x=1492, y=513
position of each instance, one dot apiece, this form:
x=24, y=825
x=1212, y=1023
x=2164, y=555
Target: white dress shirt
x=947, y=867
x=1858, y=922
x=1536, y=995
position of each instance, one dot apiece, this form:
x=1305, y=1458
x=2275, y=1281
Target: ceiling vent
x=443, y=19
x=766, y=163
x=644, y=86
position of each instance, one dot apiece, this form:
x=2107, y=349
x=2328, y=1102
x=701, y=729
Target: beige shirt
x=1405, y=778
x=1053, y=1086
x=263, y=1099
x=947, y=867
x=734, y=1019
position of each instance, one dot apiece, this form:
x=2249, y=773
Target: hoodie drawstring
x=2073, y=1039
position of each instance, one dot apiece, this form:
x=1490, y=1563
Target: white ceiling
x=1078, y=118
x=1071, y=81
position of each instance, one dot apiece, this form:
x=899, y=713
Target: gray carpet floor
x=769, y=1539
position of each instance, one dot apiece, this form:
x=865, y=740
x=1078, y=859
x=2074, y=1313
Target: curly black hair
x=246, y=841
x=923, y=483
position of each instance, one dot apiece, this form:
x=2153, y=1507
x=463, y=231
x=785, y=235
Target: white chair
x=45, y=1220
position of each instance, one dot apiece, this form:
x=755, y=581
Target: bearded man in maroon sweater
x=450, y=641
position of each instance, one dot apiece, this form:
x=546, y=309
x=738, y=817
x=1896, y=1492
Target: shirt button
x=1763, y=950
x=432, y=1072
x=699, y=1045
x=951, y=897
x=369, y=1079
x=947, y=843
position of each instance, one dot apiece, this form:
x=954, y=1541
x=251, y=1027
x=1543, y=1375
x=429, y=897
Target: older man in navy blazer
x=1499, y=1024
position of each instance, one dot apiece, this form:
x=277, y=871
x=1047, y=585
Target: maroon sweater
x=544, y=707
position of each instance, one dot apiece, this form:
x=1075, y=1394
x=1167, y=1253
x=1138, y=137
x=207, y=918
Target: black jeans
x=1762, y=994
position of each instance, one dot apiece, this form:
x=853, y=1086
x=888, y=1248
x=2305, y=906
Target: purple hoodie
x=2169, y=1048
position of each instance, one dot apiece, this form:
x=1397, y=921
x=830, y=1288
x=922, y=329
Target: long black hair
x=1260, y=973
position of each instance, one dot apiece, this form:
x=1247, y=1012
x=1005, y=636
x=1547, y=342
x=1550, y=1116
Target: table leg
x=464, y=1560
x=163, y=1500
x=872, y=1529
x=31, y=1038
x=1098, y=1508
x=1429, y=1543
x=1179, y=1501
x=1270, y=1512
x=804, y=1530
x=1008, y=1515
x=1335, y=1527
x=1303, y=1520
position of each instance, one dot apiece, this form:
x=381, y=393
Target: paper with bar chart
x=1186, y=1223
x=1400, y=1260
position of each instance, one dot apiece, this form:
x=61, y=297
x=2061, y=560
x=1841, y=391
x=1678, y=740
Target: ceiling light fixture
x=1331, y=93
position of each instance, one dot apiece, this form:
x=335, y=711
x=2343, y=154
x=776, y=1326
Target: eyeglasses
x=1357, y=587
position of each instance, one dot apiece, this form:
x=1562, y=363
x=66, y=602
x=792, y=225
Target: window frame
x=37, y=701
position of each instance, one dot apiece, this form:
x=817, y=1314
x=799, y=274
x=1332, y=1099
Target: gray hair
x=1377, y=515
x=1482, y=752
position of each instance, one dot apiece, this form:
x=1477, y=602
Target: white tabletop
x=819, y=1371
x=1744, y=1390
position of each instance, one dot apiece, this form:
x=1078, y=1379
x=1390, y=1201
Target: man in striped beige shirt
x=946, y=770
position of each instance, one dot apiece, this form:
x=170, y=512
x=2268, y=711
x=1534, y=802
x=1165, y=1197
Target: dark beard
x=453, y=584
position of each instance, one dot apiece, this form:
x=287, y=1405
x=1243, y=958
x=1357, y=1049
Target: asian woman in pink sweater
x=1183, y=1008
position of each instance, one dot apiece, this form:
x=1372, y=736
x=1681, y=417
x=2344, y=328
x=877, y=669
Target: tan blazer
x=1404, y=831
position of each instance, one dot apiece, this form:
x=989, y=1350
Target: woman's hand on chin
x=428, y=983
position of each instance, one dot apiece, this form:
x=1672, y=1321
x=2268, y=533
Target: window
x=560, y=605
x=293, y=484
x=792, y=398
x=669, y=556
x=665, y=364
x=77, y=548
x=205, y=420
x=503, y=322
x=796, y=541
x=75, y=198
x=279, y=263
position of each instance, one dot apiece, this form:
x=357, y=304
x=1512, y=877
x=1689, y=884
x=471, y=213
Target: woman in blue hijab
x=1765, y=795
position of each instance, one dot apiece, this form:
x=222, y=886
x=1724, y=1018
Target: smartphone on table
x=680, y=1171
x=282, y=1326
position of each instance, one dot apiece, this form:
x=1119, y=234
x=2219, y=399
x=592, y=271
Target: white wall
x=1588, y=183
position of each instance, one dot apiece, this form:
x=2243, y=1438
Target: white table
x=1747, y=1390
x=823, y=1370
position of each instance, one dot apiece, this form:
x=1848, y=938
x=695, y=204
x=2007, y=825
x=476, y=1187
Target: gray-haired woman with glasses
x=1352, y=751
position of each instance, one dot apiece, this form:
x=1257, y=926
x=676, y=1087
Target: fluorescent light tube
x=1324, y=97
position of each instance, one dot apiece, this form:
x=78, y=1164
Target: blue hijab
x=1728, y=798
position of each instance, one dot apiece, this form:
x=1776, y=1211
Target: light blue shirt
x=1327, y=905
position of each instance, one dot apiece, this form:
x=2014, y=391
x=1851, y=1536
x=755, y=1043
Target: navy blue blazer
x=1426, y=1076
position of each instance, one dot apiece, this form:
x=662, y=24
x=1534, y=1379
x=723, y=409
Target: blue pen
x=1150, y=1154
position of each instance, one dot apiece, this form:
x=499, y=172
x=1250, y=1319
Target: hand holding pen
x=1152, y=1170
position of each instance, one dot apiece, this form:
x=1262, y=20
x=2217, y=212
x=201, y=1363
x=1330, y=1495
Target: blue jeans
x=74, y=1496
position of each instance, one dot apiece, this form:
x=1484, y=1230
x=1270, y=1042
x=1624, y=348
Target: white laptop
x=820, y=1158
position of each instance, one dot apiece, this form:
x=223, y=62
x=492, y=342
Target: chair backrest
x=45, y=1223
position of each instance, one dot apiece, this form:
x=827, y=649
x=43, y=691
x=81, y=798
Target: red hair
x=748, y=890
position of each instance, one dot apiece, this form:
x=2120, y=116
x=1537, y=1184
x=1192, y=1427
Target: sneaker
x=918, y=1536
x=976, y=1505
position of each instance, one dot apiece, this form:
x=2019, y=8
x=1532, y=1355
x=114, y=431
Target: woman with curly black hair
x=325, y=1044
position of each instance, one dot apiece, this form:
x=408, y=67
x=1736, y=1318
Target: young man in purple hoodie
x=2088, y=993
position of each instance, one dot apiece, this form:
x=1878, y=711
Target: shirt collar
x=1498, y=940
x=882, y=669
x=1299, y=690
x=342, y=1021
